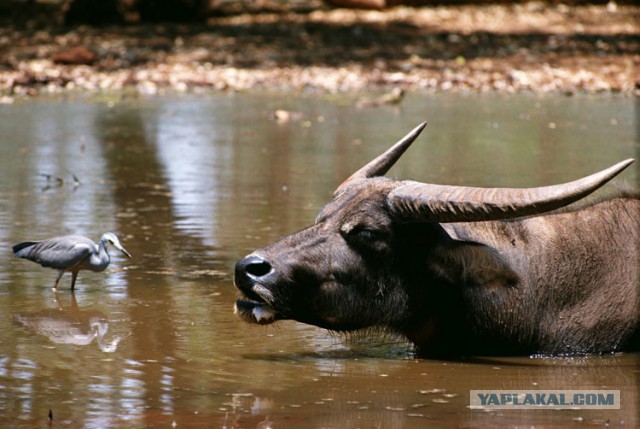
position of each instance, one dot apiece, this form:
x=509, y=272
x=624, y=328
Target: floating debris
x=282, y=116
x=76, y=181
x=431, y=391
x=58, y=181
x=395, y=408
x=394, y=97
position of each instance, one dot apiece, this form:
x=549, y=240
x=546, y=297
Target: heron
x=70, y=253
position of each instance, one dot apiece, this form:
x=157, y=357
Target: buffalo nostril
x=259, y=269
x=255, y=266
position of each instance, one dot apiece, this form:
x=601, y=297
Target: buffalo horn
x=419, y=202
x=380, y=165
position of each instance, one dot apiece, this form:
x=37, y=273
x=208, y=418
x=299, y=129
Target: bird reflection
x=70, y=325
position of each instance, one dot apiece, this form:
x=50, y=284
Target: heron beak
x=122, y=249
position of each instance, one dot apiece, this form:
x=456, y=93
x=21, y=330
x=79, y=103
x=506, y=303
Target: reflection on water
x=69, y=325
x=190, y=184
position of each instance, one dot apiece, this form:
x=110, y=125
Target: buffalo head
x=379, y=253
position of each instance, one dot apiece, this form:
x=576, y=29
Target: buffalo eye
x=363, y=236
x=366, y=234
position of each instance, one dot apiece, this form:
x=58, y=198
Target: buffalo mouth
x=253, y=308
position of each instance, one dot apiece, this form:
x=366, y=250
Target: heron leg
x=60, y=273
x=74, y=275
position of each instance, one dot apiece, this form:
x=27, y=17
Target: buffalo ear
x=472, y=264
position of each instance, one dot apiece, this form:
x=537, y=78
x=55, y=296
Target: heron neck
x=102, y=259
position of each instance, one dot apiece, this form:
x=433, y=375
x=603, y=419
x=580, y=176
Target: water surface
x=192, y=183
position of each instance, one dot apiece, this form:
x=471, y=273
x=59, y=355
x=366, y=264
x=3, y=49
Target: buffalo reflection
x=70, y=325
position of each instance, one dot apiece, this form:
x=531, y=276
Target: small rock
x=78, y=55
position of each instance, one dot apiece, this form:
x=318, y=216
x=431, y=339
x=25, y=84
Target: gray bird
x=70, y=253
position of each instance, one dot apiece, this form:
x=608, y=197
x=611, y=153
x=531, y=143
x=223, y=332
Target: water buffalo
x=459, y=270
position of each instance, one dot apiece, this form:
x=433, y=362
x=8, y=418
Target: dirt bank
x=526, y=47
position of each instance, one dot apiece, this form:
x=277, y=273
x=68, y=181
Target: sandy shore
x=508, y=48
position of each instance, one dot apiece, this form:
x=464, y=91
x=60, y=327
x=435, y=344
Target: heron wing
x=60, y=253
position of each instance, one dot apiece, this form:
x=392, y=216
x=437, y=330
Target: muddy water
x=192, y=183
